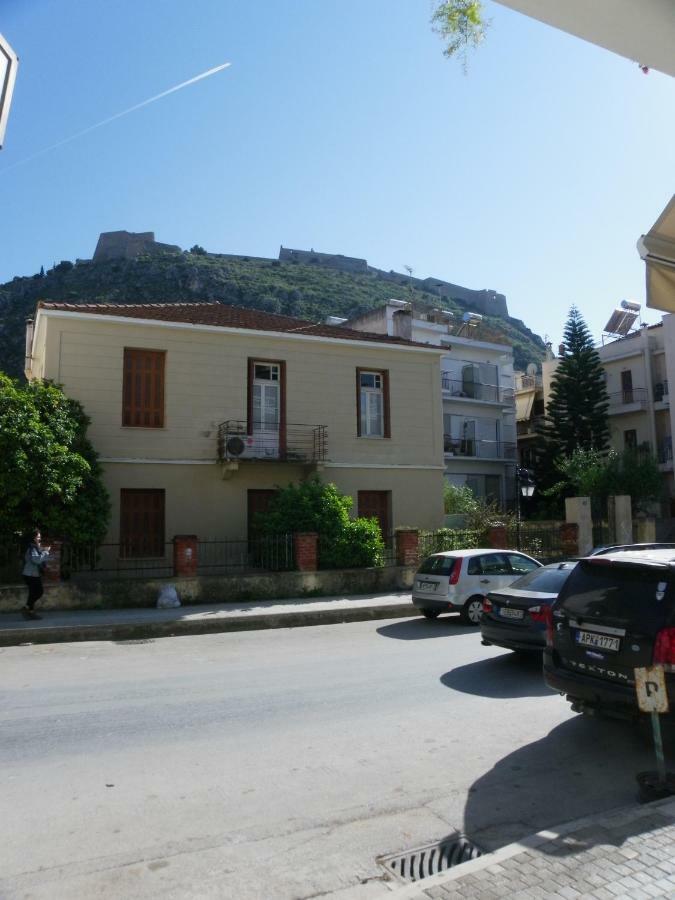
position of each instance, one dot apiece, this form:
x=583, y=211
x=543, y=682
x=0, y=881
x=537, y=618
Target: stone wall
x=128, y=245
x=81, y=593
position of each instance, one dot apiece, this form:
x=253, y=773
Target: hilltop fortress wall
x=128, y=245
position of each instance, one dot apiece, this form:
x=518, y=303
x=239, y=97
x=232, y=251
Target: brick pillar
x=407, y=546
x=52, y=571
x=185, y=550
x=569, y=538
x=305, y=548
x=497, y=537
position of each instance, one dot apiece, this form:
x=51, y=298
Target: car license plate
x=427, y=585
x=511, y=613
x=601, y=641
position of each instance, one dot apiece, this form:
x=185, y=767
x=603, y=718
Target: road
x=280, y=764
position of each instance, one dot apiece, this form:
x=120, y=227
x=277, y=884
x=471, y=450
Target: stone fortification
x=129, y=245
x=488, y=302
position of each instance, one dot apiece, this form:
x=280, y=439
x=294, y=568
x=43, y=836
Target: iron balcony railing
x=293, y=443
x=661, y=391
x=475, y=390
x=479, y=449
x=664, y=452
x=628, y=396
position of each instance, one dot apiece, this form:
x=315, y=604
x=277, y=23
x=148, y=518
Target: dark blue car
x=514, y=617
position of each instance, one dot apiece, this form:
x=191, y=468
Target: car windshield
x=437, y=565
x=548, y=581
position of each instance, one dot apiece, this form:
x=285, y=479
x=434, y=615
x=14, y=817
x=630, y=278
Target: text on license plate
x=511, y=613
x=602, y=641
x=427, y=585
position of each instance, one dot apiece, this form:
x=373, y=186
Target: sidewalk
x=627, y=853
x=135, y=624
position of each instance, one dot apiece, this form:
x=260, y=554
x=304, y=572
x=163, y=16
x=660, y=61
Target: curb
x=125, y=631
x=415, y=890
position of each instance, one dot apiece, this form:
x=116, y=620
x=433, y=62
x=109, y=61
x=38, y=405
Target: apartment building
x=200, y=411
x=477, y=393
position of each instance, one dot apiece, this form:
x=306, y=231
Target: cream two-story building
x=199, y=411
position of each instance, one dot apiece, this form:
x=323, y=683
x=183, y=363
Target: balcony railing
x=478, y=449
x=627, y=397
x=661, y=391
x=295, y=444
x=475, y=390
x=664, y=451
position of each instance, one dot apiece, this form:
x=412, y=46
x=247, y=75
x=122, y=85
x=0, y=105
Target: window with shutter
x=143, y=388
x=141, y=523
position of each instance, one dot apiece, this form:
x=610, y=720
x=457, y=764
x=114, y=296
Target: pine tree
x=576, y=413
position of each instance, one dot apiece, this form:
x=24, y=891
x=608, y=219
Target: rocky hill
x=310, y=291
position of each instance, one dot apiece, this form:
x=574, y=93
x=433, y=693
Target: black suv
x=614, y=613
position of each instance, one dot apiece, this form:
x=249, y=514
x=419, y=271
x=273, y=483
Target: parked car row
x=596, y=619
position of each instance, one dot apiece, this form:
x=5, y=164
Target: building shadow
x=499, y=677
x=581, y=768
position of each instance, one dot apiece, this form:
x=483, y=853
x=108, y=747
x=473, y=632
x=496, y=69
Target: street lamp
x=525, y=487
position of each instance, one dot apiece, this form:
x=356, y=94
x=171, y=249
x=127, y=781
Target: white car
x=458, y=580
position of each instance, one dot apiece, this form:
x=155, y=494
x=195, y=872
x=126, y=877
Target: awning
x=524, y=402
x=657, y=248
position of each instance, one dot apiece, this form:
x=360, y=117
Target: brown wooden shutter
x=143, y=388
x=141, y=523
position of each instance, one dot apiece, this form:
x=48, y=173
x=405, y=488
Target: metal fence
x=11, y=563
x=116, y=561
x=449, y=539
x=543, y=542
x=270, y=553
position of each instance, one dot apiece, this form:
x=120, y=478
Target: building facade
x=477, y=395
x=200, y=411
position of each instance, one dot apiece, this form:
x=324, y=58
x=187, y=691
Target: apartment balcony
x=661, y=392
x=627, y=401
x=302, y=444
x=478, y=449
x=664, y=454
x=475, y=390
x=530, y=427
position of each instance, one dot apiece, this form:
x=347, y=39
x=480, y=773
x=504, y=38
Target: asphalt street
x=281, y=763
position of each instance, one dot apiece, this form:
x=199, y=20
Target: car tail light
x=664, y=647
x=456, y=569
x=538, y=613
x=548, y=618
x=487, y=605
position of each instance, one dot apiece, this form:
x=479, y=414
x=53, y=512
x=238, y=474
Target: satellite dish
x=235, y=446
x=531, y=369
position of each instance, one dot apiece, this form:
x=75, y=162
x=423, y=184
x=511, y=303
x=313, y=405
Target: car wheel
x=431, y=613
x=472, y=611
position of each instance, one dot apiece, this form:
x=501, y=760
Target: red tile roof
x=219, y=314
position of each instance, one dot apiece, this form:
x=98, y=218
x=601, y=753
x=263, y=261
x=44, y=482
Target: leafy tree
x=197, y=250
x=576, y=414
x=315, y=506
x=458, y=500
x=50, y=477
x=590, y=473
x=461, y=24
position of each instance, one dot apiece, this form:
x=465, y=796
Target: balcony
x=475, y=390
x=627, y=401
x=664, y=453
x=303, y=444
x=478, y=449
x=661, y=392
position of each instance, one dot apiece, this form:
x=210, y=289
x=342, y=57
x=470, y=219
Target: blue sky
x=339, y=126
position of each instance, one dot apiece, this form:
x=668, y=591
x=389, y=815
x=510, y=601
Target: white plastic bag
x=168, y=597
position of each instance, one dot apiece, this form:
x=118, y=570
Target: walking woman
x=34, y=559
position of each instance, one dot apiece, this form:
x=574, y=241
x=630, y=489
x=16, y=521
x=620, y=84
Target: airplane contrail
x=118, y=115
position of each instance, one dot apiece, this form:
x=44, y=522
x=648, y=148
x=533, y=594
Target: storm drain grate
x=431, y=859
